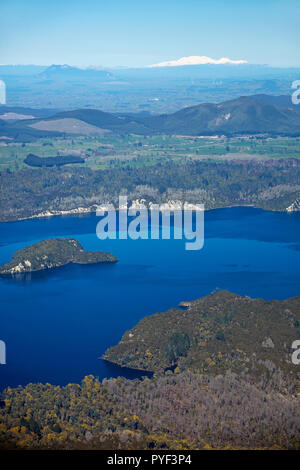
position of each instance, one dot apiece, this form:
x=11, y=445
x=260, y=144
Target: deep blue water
x=57, y=324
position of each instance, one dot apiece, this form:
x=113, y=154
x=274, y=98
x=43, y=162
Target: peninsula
x=222, y=331
x=53, y=253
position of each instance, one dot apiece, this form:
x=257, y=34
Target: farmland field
x=113, y=150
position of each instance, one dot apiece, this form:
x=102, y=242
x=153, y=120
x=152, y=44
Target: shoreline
x=93, y=210
x=109, y=361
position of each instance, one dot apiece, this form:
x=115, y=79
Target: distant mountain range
x=258, y=114
x=204, y=70
x=158, y=90
x=66, y=72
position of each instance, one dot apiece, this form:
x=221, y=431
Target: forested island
x=49, y=254
x=270, y=185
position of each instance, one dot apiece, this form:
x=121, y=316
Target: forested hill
x=268, y=185
x=243, y=116
x=215, y=333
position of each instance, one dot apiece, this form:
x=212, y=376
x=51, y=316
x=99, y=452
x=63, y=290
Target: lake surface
x=57, y=324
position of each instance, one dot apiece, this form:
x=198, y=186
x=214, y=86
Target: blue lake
x=57, y=324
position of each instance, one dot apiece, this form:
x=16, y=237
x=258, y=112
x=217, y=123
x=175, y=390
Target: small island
x=53, y=253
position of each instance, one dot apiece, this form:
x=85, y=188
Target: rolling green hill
x=49, y=254
x=245, y=115
x=123, y=124
x=242, y=116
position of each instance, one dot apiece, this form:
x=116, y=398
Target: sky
x=141, y=32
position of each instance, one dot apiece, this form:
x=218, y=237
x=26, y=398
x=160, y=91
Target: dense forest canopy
x=272, y=184
x=234, y=386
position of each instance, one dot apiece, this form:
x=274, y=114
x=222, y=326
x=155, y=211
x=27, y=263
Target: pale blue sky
x=142, y=32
